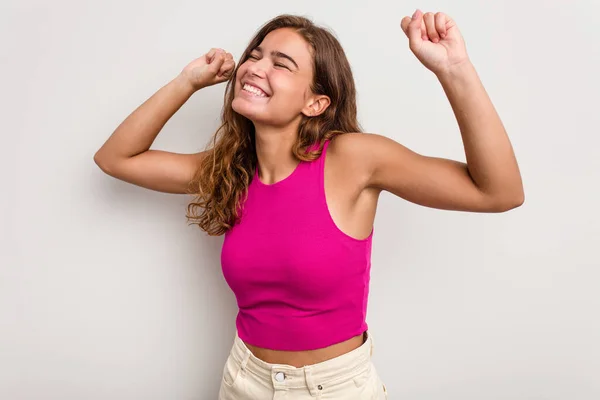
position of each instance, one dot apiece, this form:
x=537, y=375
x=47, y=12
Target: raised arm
x=126, y=155
x=490, y=181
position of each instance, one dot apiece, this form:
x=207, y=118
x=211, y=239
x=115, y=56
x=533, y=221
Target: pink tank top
x=300, y=282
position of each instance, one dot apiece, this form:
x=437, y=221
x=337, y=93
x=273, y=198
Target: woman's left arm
x=490, y=181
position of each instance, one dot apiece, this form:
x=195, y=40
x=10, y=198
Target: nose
x=257, y=68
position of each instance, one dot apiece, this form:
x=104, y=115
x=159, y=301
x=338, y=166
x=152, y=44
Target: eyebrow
x=276, y=53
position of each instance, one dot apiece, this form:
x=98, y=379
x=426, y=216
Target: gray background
x=106, y=293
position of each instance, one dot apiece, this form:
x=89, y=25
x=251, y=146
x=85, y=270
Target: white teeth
x=254, y=90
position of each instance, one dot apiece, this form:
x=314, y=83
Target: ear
x=316, y=105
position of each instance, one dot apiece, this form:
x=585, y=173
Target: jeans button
x=280, y=377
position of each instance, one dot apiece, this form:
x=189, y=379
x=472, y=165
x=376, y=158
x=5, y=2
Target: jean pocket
x=365, y=384
x=231, y=372
x=380, y=389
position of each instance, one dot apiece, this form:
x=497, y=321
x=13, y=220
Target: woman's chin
x=245, y=109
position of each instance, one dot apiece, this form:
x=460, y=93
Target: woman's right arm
x=126, y=155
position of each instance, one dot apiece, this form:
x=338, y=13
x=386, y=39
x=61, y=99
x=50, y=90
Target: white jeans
x=351, y=376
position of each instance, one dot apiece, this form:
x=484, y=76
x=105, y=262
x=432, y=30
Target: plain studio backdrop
x=107, y=293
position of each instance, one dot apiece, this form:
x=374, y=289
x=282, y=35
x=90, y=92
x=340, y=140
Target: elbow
x=97, y=159
x=510, y=203
x=102, y=163
x=520, y=199
x=515, y=203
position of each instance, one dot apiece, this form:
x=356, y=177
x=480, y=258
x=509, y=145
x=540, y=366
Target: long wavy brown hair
x=221, y=181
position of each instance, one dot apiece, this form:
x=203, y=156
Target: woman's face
x=272, y=86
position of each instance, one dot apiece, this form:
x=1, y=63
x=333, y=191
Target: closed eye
x=254, y=57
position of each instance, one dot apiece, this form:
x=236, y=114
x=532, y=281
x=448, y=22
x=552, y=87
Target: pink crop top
x=300, y=282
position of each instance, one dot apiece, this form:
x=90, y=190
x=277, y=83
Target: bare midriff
x=307, y=357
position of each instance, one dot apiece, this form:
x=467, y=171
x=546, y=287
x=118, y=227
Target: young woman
x=293, y=183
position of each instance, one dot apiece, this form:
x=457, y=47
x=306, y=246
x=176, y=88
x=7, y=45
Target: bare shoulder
x=358, y=148
x=353, y=155
x=358, y=145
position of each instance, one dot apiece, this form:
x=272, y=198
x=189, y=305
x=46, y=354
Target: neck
x=274, y=151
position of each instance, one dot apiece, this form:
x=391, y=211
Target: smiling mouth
x=253, y=90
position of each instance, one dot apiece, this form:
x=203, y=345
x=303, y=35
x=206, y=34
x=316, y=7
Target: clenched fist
x=435, y=40
x=214, y=67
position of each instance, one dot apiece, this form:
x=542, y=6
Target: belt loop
x=310, y=382
x=244, y=362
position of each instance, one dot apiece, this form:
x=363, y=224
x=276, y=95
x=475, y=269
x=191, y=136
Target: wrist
x=183, y=83
x=457, y=72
